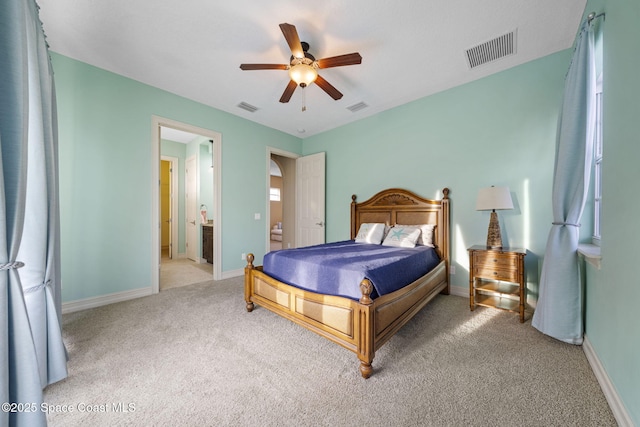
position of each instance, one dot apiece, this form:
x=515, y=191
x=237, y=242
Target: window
x=274, y=194
x=591, y=252
x=597, y=155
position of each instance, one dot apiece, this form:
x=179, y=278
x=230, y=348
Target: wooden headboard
x=398, y=206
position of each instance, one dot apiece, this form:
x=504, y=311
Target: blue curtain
x=560, y=302
x=32, y=352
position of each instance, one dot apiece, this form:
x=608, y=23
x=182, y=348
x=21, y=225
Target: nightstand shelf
x=502, y=288
x=498, y=302
x=496, y=278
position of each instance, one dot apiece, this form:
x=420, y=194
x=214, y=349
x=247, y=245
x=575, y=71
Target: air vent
x=357, y=107
x=250, y=108
x=492, y=50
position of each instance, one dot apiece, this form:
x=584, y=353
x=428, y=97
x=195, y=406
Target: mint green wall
x=176, y=149
x=613, y=292
x=105, y=124
x=499, y=130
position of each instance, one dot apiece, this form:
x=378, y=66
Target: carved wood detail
x=395, y=199
x=366, y=287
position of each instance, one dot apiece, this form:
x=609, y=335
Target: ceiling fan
x=303, y=66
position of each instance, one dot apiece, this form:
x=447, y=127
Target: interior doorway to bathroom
x=188, y=236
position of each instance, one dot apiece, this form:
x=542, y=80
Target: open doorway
x=302, y=198
x=276, y=198
x=169, y=181
x=281, y=222
x=189, y=159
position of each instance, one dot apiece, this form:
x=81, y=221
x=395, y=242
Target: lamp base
x=494, y=239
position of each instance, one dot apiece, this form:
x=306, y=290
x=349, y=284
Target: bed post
x=247, y=282
x=354, y=231
x=366, y=345
x=445, y=246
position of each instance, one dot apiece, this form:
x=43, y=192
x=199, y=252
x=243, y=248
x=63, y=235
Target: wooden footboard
x=332, y=317
x=360, y=326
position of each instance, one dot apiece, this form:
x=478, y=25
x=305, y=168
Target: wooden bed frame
x=363, y=326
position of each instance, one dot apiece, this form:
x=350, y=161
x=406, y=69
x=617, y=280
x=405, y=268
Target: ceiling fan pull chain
x=304, y=103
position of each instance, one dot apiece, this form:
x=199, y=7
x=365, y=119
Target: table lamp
x=490, y=199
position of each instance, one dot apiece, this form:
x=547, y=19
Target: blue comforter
x=338, y=268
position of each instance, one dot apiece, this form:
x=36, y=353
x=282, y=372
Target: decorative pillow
x=386, y=231
x=370, y=233
x=402, y=237
x=426, y=235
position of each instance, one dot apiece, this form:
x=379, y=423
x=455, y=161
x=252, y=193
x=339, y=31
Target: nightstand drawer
x=488, y=272
x=495, y=260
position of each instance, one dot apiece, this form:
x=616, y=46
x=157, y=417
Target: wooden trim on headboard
x=398, y=206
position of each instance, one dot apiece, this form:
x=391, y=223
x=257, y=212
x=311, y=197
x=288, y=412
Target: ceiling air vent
x=357, y=107
x=250, y=108
x=492, y=50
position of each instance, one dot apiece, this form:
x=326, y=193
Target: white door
x=310, y=176
x=191, y=201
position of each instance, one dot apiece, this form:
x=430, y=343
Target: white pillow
x=402, y=237
x=426, y=233
x=370, y=233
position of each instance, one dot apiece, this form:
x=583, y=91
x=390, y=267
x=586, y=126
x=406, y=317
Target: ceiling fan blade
x=263, y=66
x=286, y=96
x=291, y=36
x=340, y=60
x=328, y=87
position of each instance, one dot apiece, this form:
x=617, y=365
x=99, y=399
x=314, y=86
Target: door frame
x=192, y=176
x=156, y=123
x=173, y=241
x=277, y=152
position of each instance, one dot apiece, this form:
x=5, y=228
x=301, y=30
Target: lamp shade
x=491, y=198
x=303, y=74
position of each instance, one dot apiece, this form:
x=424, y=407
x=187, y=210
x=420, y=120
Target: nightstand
x=496, y=278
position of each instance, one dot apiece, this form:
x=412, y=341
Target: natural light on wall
x=461, y=257
x=480, y=316
x=525, y=208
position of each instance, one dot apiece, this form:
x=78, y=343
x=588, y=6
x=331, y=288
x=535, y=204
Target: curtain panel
x=32, y=353
x=559, y=312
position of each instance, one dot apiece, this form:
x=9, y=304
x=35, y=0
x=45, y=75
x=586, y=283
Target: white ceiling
x=410, y=49
x=176, y=135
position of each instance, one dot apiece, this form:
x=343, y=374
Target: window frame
x=597, y=166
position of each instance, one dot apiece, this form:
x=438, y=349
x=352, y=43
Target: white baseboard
x=83, y=304
x=232, y=273
x=615, y=403
x=459, y=291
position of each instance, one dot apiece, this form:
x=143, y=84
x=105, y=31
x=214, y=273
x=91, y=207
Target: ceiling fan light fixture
x=303, y=74
x=303, y=66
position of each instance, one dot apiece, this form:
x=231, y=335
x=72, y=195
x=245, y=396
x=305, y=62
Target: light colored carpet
x=193, y=356
x=182, y=272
